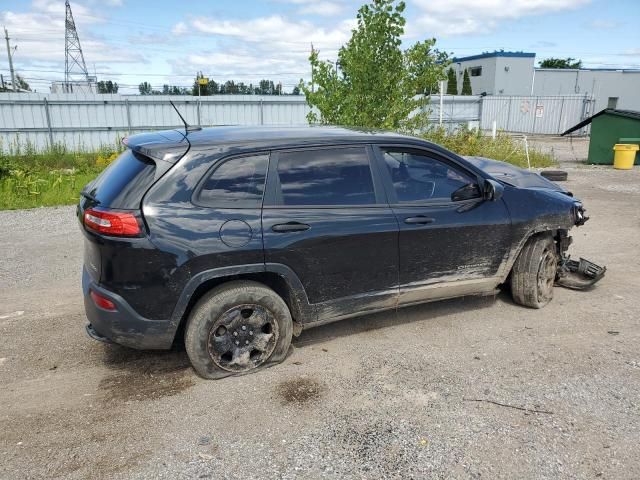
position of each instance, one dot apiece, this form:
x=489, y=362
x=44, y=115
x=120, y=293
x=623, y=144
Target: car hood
x=515, y=176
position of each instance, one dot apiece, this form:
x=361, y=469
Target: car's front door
x=452, y=242
x=326, y=218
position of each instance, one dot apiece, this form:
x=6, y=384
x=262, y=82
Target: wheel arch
x=539, y=230
x=280, y=278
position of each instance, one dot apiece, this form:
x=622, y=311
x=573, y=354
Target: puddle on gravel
x=299, y=391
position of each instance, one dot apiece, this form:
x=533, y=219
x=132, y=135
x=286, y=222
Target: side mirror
x=467, y=192
x=493, y=190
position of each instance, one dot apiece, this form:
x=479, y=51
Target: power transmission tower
x=74, y=65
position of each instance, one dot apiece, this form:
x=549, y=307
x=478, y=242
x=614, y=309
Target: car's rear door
x=452, y=242
x=326, y=218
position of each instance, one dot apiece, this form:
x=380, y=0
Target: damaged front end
x=581, y=274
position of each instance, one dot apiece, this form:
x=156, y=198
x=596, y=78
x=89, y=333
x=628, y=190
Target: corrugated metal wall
x=87, y=122
x=534, y=115
x=456, y=110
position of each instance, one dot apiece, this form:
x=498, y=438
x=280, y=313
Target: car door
x=452, y=241
x=325, y=217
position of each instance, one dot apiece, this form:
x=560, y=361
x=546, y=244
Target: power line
x=230, y=74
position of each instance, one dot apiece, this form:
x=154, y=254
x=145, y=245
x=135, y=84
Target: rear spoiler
x=167, y=145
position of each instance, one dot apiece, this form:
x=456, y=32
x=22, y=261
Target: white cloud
x=460, y=17
x=39, y=35
x=277, y=31
x=179, y=28
x=325, y=9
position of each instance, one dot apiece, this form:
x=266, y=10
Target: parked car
x=242, y=237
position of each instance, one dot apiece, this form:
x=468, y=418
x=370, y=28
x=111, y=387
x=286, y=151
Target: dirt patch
x=129, y=386
x=299, y=391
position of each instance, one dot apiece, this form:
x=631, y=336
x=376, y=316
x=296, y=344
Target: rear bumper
x=123, y=326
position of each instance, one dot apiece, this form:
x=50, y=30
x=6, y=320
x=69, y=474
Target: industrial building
x=514, y=73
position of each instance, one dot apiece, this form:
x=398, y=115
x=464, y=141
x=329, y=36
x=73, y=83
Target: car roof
x=155, y=143
x=282, y=134
x=171, y=145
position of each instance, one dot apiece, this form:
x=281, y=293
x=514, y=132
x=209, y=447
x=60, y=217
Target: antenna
x=74, y=58
x=187, y=127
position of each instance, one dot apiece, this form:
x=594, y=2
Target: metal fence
x=535, y=115
x=87, y=122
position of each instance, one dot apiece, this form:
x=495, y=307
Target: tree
x=210, y=88
x=561, y=63
x=377, y=82
x=22, y=84
x=466, y=83
x=145, y=88
x=452, y=82
x=107, y=87
x=296, y=91
x=266, y=87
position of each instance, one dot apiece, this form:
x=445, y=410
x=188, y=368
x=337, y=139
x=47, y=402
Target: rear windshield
x=124, y=182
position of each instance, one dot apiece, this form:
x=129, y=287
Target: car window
x=123, y=183
x=236, y=183
x=335, y=176
x=421, y=177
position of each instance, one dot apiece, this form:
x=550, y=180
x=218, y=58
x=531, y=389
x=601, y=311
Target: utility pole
x=13, y=76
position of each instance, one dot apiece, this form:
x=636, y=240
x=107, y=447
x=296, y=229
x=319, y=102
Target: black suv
x=243, y=236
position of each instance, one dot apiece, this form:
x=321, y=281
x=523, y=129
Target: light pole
x=10, y=55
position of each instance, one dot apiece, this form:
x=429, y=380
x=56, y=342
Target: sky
x=167, y=42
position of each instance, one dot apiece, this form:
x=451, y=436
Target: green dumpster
x=608, y=128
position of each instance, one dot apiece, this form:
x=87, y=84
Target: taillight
x=102, y=302
x=120, y=224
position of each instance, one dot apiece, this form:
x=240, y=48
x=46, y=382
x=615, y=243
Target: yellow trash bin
x=624, y=155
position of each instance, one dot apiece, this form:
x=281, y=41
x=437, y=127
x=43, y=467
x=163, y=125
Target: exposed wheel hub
x=243, y=337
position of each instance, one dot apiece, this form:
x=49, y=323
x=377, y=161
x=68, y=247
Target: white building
x=497, y=73
x=514, y=73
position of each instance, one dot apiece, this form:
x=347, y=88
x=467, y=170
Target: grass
x=55, y=176
x=31, y=178
x=473, y=143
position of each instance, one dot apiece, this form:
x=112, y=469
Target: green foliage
x=22, y=84
x=561, y=63
x=474, y=143
x=107, y=87
x=375, y=83
x=145, y=88
x=452, y=82
x=466, y=83
x=55, y=176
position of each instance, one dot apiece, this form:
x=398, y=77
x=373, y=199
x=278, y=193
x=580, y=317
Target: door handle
x=419, y=220
x=290, y=227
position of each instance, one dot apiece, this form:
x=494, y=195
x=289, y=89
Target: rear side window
x=123, y=184
x=235, y=183
x=335, y=176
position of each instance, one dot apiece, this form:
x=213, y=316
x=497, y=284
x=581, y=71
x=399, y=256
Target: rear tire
x=534, y=273
x=237, y=328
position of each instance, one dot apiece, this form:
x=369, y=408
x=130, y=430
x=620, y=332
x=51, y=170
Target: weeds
x=29, y=178
x=473, y=143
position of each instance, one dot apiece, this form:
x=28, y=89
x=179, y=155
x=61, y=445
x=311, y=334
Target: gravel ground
x=406, y=395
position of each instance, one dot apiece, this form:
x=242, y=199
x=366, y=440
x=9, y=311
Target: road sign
x=203, y=81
